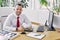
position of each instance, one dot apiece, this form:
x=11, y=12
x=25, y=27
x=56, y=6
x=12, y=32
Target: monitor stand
x=51, y=28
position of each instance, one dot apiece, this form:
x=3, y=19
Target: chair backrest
x=3, y=18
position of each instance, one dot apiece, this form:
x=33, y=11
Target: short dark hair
x=19, y=4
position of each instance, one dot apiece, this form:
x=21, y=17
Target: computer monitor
x=50, y=21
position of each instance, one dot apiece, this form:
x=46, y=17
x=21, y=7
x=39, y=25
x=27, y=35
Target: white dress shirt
x=10, y=23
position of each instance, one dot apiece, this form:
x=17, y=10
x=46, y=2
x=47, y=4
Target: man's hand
x=30, y=28
x=21, y=29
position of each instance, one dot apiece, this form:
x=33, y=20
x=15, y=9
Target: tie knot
x=17, y=17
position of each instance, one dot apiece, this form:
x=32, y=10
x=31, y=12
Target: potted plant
x=24, y=3
x=56, y=9
x=0, y=3
x=43, y=2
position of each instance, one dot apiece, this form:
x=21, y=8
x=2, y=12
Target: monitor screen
x=50, y=20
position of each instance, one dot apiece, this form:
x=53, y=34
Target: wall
x=34, y=15
x=39, y=16
x=5, y=10
x=57, y=21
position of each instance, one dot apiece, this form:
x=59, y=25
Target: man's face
x=18, y=9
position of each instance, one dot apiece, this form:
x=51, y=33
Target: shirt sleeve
x=26, y=23
x=7, y=24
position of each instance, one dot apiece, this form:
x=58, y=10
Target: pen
x=38, y=35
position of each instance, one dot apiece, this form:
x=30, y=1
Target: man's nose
x=19, y=10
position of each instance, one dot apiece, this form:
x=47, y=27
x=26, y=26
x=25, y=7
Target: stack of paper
x=36, y=35
x=9, y=35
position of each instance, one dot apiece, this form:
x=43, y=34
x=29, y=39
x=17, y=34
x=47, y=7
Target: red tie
x=18, y=22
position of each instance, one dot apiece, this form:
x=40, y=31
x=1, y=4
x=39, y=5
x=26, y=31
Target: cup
x=35, y=29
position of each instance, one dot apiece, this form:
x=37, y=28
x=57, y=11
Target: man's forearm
x=9, y=28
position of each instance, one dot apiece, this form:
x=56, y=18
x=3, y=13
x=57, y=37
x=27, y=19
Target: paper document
x=9, y=35
x=36, y=35
x=3, y=37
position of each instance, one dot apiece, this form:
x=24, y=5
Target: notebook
x=36, y=35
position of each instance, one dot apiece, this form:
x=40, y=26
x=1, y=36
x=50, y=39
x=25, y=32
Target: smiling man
x=17, y=20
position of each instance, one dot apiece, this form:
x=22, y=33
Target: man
x=17, y=20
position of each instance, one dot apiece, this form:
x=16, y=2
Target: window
x=12, y=3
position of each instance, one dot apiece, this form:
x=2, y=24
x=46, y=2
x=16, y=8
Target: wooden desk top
x=52, y=35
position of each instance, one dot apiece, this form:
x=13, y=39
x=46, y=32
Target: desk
x=52, y=35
